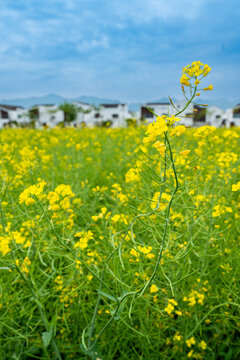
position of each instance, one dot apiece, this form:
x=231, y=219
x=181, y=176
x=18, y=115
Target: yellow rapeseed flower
x=202, y=345
x=153, y=288
x=210, y=87
x=190, y=341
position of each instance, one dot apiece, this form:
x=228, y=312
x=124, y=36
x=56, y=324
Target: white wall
x=19, y=115
x=168, y=109
x=214, y=116
x=49, y=115
x=231, y=118
x=116, y=114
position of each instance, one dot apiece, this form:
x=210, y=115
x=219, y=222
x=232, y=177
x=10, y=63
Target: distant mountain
x=92, y=100
x=35, y=100
x=56, y=99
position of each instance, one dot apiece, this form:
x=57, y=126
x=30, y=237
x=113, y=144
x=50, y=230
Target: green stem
x=74, y=253
x=141, y=291
x=40, y=308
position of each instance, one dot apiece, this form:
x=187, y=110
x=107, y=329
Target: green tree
x=70, y=112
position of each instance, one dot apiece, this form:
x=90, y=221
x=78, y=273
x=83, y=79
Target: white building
x=232, y=116
x=46, y=115
x=11, y=116
x=114, y=114
x=187, y=116
x=161, y=109
x=110, y=115
x=215, y=116
x=84, y=115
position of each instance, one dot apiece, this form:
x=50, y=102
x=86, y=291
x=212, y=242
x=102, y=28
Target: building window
x=52, y=118
x=4, y=114
x=218, y=116
x=236, y=113
x=115, y=116
x=97, y=115
x=200, y=114
x=145, y=113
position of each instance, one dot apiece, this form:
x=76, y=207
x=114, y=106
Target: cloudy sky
x=132, y=50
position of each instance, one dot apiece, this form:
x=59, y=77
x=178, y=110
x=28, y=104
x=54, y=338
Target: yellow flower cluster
x=119, y=218
x=83, y=238
x=27, y=196
x=153, y=288
x=236, y=187
x=226, y=268
x=193, y=71
x=177, y=336
x=60, y=198
x=102, y=214
x=204, y=131
x=219, y=210
x=59, y=281
x=18, y=237
x=4, y=244
x=160, y=126
x=165, y=198
x=160, y=147
x=226, y=159
x=132, y=176
x=145, y=250
x=25, y=264
x=191, y=342
x=118, y=194
x=193, y=298
x=171, y=307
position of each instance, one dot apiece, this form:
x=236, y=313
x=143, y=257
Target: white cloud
x=145, y=11
x=100, y=42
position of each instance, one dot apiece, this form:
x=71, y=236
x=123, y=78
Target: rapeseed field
x=120, y=243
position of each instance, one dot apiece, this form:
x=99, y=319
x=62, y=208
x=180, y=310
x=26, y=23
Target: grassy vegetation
x=85, y=220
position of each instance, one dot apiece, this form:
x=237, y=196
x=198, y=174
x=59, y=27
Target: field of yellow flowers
x=121, y=243
x=82, y=225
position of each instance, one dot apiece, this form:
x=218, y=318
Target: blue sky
x=131, y=50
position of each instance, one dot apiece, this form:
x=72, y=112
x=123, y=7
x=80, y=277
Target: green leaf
x=46, y=337
x=94, y=354
x=107, y=295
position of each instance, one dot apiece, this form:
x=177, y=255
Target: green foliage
x=70, y=112
x=131, y=122
x=47, y=313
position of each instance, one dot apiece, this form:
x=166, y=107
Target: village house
x=163, y=108
x=113, y=114
x=11, y=116
x=84, y=115
x=232, y=117
x=194, y=115
x=159, y=109
x=116, y=115
x=110, y=115
x=215, y=116
x=46, y=115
